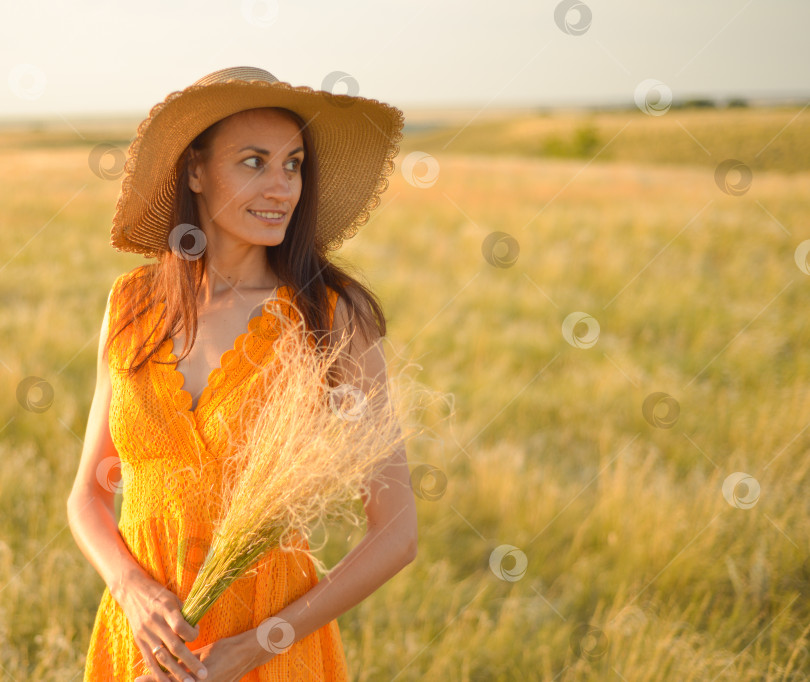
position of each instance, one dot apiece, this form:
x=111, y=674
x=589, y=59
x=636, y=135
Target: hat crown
x=246, y=73
x=355, y=140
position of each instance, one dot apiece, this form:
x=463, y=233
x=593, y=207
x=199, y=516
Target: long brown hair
x=300, y=261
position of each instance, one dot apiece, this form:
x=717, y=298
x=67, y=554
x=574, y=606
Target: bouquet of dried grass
x=308, y=452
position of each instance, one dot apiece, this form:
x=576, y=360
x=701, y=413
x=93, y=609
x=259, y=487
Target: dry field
x=617, y=494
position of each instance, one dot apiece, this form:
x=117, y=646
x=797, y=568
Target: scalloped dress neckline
x=228, y=360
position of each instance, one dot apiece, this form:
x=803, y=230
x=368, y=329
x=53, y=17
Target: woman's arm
x=390, y=541
x=90, y=505
x=91, y=515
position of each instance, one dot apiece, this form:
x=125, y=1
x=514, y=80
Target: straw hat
x=355, y=140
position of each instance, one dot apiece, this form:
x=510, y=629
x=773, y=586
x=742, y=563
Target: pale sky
x=98, y=57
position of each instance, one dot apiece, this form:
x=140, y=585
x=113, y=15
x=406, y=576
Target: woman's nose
x=275, y=183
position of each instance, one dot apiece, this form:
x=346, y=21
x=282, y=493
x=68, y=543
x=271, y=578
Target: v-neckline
x=181, y=397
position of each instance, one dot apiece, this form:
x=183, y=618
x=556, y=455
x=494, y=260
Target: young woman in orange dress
x=239, y=185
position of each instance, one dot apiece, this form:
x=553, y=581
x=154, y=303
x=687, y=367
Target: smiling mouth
x=268, y=215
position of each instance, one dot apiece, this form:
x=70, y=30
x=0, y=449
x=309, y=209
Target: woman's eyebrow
x=259, y=150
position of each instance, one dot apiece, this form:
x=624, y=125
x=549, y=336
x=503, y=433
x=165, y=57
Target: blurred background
x=595, y=242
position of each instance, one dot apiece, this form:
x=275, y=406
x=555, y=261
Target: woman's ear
x=194, y=172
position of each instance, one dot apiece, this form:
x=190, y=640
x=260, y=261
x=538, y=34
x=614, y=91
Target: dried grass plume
x=304, y=452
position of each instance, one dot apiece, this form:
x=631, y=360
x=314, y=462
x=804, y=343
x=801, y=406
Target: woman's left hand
x=223, y=660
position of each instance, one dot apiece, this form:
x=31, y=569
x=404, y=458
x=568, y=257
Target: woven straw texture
x=356, y=140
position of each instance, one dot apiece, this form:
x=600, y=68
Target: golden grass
x=624, y=525
x=764, y=139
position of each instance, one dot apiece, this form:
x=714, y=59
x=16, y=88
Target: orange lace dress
x=170, y=464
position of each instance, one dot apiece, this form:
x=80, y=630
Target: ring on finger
x=157, y=648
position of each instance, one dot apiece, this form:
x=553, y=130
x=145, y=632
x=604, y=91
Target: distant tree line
x=709, y=103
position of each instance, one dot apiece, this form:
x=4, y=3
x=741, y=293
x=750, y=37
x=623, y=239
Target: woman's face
x=252, y=171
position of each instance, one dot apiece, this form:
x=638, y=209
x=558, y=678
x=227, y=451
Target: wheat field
x=620, y=316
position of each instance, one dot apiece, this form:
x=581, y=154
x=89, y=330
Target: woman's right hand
x=154, y=614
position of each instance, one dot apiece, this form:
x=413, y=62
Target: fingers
x=174, y=672
x=148, y=661
x=159, y=639
x=160, y=658
x=182, y=628
x=151, y=663
x=180, y=652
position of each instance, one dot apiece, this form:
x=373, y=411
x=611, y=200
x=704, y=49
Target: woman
x=239, y=184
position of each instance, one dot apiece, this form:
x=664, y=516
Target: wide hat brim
x=356, y=140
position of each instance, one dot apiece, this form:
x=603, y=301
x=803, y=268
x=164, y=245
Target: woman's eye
x=296, y=162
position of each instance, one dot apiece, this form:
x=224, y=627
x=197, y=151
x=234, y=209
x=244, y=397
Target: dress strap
x=333, y=298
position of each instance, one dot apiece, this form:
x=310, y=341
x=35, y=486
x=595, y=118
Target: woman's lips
x=270, y=217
